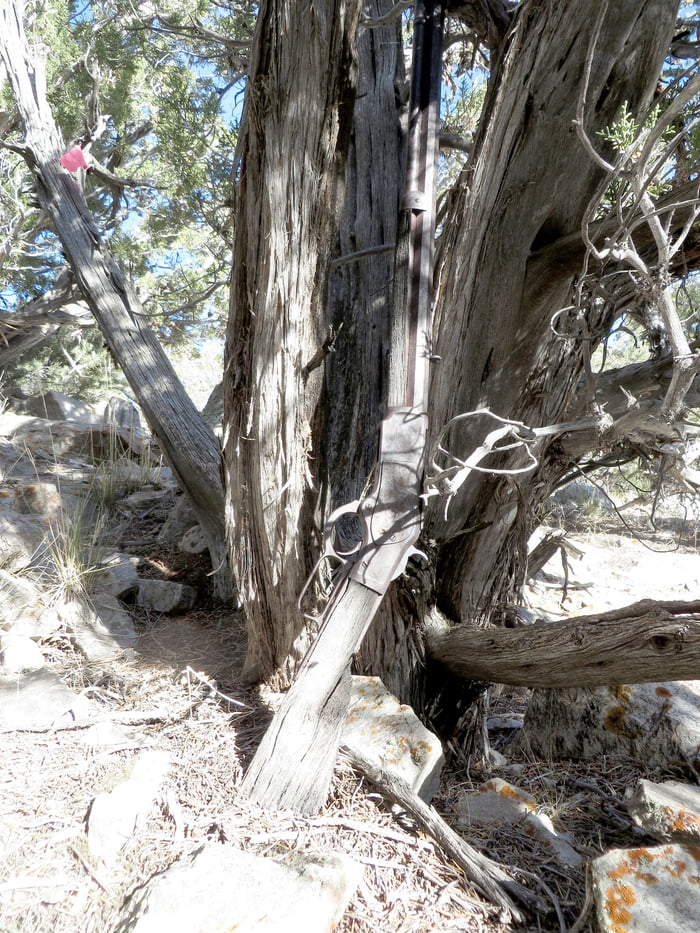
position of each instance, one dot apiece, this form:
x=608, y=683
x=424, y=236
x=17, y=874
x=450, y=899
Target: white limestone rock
x=115, y=816
x=221, y=887
x=101, y=628
x=648, y=889
x=165, y=596
x=194, y=541
x=39, y=701
x=390, y=734
x=19, y=653
x=655, y=723
x=498, y=801
x=117, y=576
x=669, y=811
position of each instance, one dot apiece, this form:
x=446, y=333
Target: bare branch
x=455, y=141
x=375, y=22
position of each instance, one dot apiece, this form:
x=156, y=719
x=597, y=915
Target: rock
x=669, y=811
x=656, y=723
x=115, y=816
x=19, y=653
x=113, y=736
x=648, y=889
x=16, y=592
x=101, y=629
x=180, y=519
x=39, y=701
x=390, y=734
x=55, y=406
x=144, y=499
x=38, y=498
x=221, y=887
x=117, y=576
x=20, y=537
x=193, y=541
x=498, y=801
x=578, y=497
x=123, y=413
x=165, y=596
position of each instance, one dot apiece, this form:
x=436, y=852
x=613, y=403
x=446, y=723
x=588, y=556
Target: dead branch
x=488, y=876
x=645, y=642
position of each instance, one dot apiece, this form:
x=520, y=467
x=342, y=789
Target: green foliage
x=75, y=361
x=147, y=88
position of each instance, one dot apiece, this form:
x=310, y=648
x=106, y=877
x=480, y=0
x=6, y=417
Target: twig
x=550, y=894
x=486, y=875
x=211, y=684
x=362, y=254
x=89, y=869
x=587, y=905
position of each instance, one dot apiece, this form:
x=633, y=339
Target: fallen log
x=645, y=642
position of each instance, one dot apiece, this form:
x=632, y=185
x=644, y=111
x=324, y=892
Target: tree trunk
x=359, y=313
x=506, y=268
x=527, y=186
x=292, y=146
x=186, y=441
x=641, y=643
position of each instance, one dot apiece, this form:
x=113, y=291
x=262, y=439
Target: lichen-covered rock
x=648, y=889
x=497, y=801
x=390, y=734
x=658, y=723
x=669, y=811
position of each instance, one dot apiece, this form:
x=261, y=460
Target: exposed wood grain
x=292, y=147
x=293, y=765
x=646, y=642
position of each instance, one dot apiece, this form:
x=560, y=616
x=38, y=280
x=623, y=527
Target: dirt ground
x=178, y=690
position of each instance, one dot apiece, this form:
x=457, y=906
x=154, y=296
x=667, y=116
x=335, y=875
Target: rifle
x=293, y=765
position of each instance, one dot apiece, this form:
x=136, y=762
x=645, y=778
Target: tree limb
x=645, y=642
x=488, y=876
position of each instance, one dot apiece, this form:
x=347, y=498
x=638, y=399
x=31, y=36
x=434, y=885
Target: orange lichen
x=623, y=693
x=681, y=821
x=620, y=872
x=617, y=901
x=615, y=720
x=677, y=869
x=663, y=692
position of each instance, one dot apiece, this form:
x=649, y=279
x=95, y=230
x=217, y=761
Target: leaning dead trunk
x=186, y=441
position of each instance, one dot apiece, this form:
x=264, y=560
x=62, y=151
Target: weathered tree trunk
x=292, y=146
x=359, y=313
x=506, y=269
x=527, y=186
x=641, y=643
x=186, y=441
